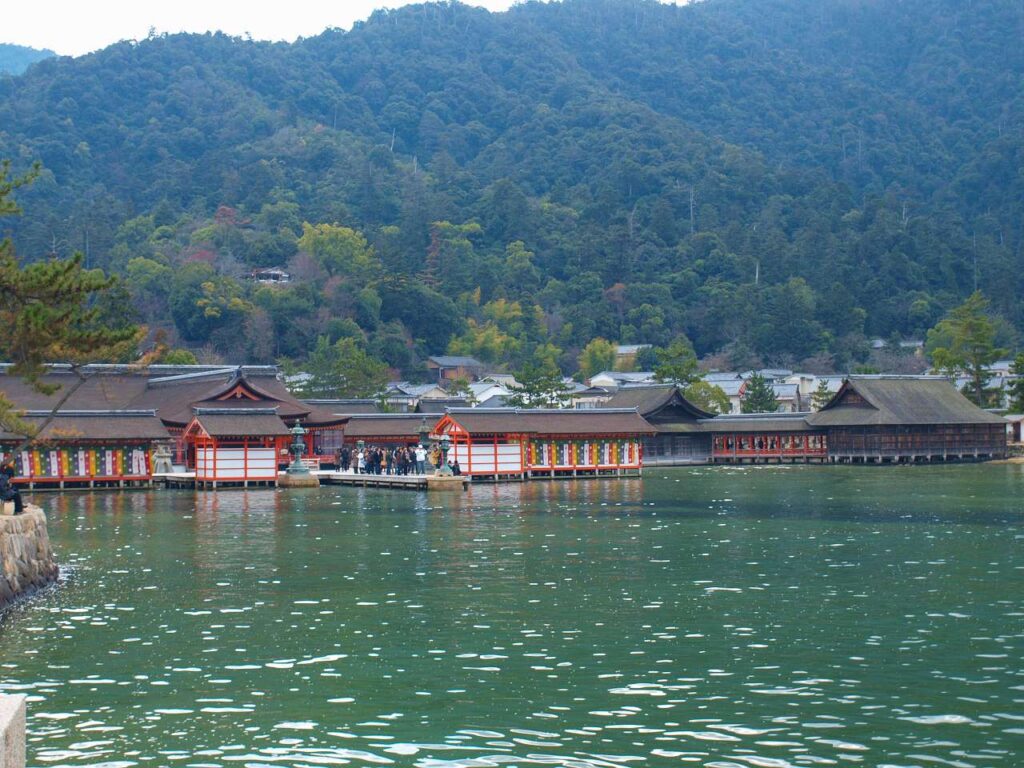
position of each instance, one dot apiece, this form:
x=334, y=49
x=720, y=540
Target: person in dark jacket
x=8, y=491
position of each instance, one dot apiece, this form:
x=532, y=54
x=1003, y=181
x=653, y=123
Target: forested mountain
x=15, y=59
x=777, y=179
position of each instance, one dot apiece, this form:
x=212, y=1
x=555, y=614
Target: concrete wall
x=12, y=732
x=25, y=555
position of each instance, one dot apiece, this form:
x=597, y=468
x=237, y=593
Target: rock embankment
x=25, y=555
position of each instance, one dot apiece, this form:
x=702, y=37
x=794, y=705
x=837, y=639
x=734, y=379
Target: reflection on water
x=711, y=616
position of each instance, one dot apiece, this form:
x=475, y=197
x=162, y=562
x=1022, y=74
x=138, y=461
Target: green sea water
x=723, y=617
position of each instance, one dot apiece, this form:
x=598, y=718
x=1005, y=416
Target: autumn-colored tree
x=341, y=251
x=597, y=356
x=707, y=396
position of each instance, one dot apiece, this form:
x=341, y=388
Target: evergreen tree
x=965, y=342
x=51, y=311
x=1016, y=388
x=459, y=387
x=539, y=386
x=758, y=396
x=342, y=369
x=821, y=396
x=677, y=363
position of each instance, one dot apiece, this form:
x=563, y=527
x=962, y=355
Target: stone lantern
x=446, y=444
x=297, y=449
x=298, y=475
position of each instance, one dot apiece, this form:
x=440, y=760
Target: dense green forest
x=777, y=180
x=15, y=59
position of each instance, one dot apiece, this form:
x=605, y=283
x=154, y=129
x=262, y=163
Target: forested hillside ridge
x=15, y=59
x=776, y=180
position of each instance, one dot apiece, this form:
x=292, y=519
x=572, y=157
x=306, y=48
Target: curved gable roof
x=648, y=400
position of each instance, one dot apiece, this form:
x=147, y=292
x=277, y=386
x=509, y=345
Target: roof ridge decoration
x=196, y=375
x=105, y=413
x=266, y=411
x=357, y=416
x=157, y=371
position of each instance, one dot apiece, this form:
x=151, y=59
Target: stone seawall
x=12, y=732
x=25, y=555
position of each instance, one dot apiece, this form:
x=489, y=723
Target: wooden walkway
x=188, y=480
x=405, y=482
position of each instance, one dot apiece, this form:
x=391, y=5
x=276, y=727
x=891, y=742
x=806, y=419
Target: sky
x=76, y=27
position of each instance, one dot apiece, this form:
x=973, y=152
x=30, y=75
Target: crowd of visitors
x=400, y=460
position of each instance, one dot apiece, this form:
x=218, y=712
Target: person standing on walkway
x=421, y=460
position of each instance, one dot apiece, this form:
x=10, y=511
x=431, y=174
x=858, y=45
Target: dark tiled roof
x=893, y=401
x=175, y=403
x=365, y=426
x=758, y=422
x=239, y=422
x=586, y=421
x=97, y=393
x=343, y=406
x=96, y=425
x=439, y=405
x=649, y=399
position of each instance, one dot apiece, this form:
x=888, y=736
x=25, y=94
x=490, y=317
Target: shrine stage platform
x=326, y=477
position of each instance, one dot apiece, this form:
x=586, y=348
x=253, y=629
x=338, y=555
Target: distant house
x=440, y=405
x=625, y=354
x=770, y=374
x=787, y=394
x=403, y=397
x=451, y=367
x=1000, y=368
x=589, y=397
x=733, y=388
x=497, y=401
x=270, y=275
x=485, y=389
x=505, y=379
x=807, y=384
x=1014, y=422
x=616, y=379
